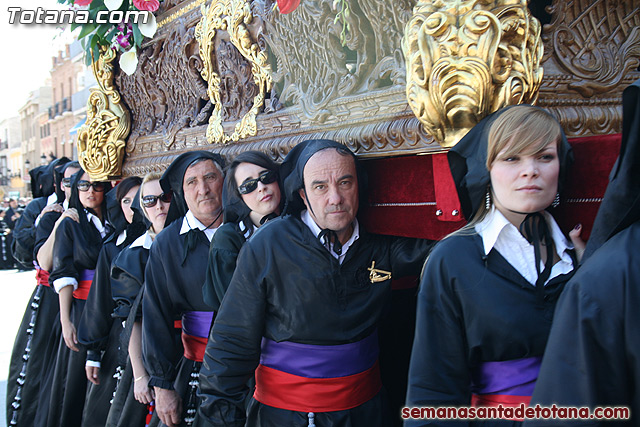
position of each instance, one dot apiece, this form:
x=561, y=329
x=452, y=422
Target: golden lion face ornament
x=468, y=58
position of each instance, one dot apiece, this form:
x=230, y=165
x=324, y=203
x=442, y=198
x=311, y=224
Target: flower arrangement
x=125, y=36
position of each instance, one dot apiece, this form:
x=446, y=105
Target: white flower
x=113, y=4
x=148, y=29
x=129, y=61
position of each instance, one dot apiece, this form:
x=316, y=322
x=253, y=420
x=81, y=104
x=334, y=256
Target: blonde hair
x=151, y=176
x=521, y=129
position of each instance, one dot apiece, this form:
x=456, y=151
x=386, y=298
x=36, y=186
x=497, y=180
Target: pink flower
x=150, y=5
x=82, y=2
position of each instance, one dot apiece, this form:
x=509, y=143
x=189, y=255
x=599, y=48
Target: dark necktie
x=194, y=237
x=534, y=228
x=330, y=236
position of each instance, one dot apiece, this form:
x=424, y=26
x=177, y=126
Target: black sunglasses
x=97, y=186
x=266, y=177
x=150, y=200
x=66, y=182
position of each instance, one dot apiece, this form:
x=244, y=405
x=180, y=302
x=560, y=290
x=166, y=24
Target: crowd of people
x=250, y=294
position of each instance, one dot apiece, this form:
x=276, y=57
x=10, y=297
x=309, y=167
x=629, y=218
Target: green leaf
x=86, y=29
x=137, y=35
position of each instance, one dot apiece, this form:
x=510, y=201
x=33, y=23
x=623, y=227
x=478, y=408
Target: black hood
x=292, y=171
x=36, y=184
x=468, y=164
x=621, y=203
x=174, y=175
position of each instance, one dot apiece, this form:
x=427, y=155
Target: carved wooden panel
x=355, y=93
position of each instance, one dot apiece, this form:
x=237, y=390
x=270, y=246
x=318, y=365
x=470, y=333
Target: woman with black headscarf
x=75, y=253
x=97, y=330
x=488, y=291
x=251, y=196
x=133, y=398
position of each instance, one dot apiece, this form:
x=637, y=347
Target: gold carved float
x=101, y=140
x=232, y=16
x=468, y=58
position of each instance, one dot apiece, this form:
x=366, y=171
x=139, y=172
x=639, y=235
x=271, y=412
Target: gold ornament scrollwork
x=232, y=16
x=468, y=58
x=101, y=140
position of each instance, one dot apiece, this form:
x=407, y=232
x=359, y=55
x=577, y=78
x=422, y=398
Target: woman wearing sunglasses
x=130, y=409
x=75, y=253
x=250, y=197
x=97, y=330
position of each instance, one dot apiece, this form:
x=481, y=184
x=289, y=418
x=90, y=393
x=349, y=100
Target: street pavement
x=15, y=290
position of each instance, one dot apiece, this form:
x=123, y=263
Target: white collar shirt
x=190, y=221
x=306, y=218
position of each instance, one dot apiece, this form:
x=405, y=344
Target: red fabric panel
x=402, y=193
x=82, y=292
x=294, y=393
x=194, y=347
x=42, y=277
x=447, y=202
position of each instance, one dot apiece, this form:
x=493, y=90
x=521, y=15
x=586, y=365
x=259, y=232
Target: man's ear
x=302, y=195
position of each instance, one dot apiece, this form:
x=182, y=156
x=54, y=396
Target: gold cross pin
x=377, y=275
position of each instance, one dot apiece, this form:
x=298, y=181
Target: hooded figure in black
x=239, y=221
x=129, y=407
x=174, y=275
x=593, y=354
x=39, y=323
x=304, y=305
x=488, y=291
x=75, y=254
x=97, y=331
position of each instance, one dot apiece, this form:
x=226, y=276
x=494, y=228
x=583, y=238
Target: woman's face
x=265, y=199
x=525, y=183
x=90, y=198
x=158, y=213
x=125, y=204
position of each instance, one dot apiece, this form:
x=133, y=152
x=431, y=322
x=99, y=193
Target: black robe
x=39, y=332
x=100, y=336
x=171, y=289
x=472, y=309
x=76, y=249
x=593, y=355
x=128, y=277
x=288, y=287
x=24, y=234
x=223, y=254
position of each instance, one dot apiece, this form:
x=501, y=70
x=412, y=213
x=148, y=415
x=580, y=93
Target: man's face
x=13, y=204
x=331, y=185
x=202, y=186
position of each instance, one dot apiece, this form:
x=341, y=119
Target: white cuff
x=65, y=281
x=92, y=364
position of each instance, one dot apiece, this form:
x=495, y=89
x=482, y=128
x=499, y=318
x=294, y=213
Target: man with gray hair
x=173, y=285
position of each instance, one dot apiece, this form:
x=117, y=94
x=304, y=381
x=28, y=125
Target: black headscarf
x=174, y=175
x=36, y=184
x=621, y=203
x=58, y=175
x=118, y=222
x=47, y=177
x=468, y=164
x=292, y=171
x=138, y=215
x=74, y=202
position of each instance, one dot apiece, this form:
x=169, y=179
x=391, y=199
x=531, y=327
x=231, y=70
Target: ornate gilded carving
x=166, y=93
x=232, y=16
x=468, y=58
x=168, y=4
x=596, y=42
x=311, y=66
x=101, y=139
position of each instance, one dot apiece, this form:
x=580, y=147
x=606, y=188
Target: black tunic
x=171, y=289
x=128, y=276
x=76, y=249
x=223, y=254
x=593, y=355
x=24, y=234
x=39, y=330
x=472, y=309
x=288, y=287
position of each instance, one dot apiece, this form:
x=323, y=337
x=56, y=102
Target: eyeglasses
x=150, y=200
x=84, y=186
x=266, y=177
x=66, y=182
